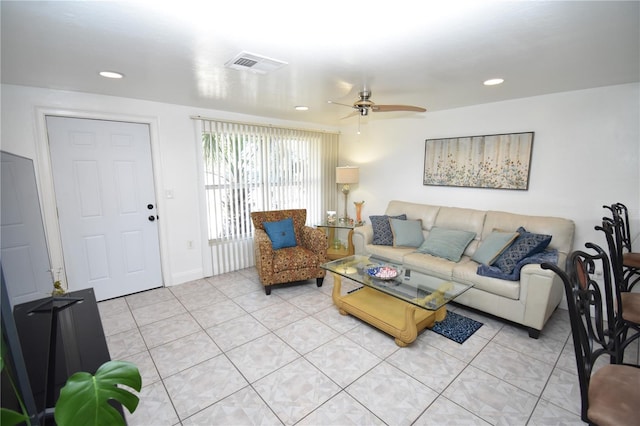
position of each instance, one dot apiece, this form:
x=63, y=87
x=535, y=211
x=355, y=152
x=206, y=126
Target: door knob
x=152, y=218
x=149, y=206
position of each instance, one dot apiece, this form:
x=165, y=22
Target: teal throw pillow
x=493, y=246
x=446, y=243
x=281, y=233
x=525, y=245
x=382, y=235
x=406, y=232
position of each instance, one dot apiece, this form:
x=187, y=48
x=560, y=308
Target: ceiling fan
x=363, y=105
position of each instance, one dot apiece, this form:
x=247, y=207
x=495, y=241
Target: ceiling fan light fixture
x=364, y=112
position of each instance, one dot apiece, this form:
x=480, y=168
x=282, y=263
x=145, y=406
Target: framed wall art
x=490, y=161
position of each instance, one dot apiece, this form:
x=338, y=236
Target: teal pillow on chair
x=281, y=233
x=447, y=243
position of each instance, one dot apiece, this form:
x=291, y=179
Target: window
x=251, y=168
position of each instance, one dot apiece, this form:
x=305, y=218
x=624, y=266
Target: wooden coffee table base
x=395, y=317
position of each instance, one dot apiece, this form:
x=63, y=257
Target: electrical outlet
x=598, y=272
x=190, y=245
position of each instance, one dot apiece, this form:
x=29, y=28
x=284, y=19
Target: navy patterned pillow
x=525, y=245
x=382, y=235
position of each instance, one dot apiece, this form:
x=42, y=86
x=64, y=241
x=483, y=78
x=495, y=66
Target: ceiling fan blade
x=387, y=108
x=338, y=103
x=356, y=112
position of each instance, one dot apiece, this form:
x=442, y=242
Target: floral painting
x=490, y=161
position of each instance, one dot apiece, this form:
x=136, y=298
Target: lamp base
x=345, y=191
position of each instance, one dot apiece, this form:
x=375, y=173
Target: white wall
x=586, y=153
x=174, y=144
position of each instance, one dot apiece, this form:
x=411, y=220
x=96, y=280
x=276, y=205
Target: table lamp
x=345, y=176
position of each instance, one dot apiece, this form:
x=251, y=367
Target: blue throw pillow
x=406, y=233
x=525, y=245
x=382, y=235
x=447, y=243
x=281, y=233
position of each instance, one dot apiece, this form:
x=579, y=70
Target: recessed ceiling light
x=302, y=108
x=111, y=74
x=493, y=81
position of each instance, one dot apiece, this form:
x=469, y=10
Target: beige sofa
x=529, y=301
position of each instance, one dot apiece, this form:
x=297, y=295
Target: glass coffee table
x=397, y=299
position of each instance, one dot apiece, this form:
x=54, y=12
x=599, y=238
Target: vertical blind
x=249, y=167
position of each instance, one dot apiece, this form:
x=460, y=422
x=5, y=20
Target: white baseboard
x=186, y=276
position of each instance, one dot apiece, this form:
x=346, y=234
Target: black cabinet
x=80, y=343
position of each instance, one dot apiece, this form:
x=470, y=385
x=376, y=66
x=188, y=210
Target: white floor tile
x=236, y=332
x=154, y=408
x=490, y=398
x=220, y=351
x=519, y=369
x=341, y=410
x=295, y=390
x=183, y=353
x=392, y=395
x=306, y=334
x=444, y=412
x=336, y=360
x=244, y=407
x=261, y=356
x=200, y=386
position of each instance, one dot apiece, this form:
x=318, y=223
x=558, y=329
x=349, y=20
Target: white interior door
x=24, y=255
x=103, y=180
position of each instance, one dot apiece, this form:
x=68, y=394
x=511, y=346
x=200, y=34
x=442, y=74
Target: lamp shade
x=347, y=174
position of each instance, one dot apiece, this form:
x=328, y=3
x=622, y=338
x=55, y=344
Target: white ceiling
x=432, y=54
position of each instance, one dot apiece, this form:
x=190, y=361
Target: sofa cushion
x=434, y=266
x=407, y=233
x=446, y=243
x=395, y=254
x=281, y=233
x=294, y=259
x=492, y=246
x=382, y=234
x=525, y=245
x=466, y=272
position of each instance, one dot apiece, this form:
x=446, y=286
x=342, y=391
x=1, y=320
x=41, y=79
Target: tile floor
x=218, y=351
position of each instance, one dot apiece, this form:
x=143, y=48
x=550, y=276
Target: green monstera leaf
x=84, y=398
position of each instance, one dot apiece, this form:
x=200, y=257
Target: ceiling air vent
x=246, y=61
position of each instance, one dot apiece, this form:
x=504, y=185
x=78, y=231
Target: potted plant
x=84, y=399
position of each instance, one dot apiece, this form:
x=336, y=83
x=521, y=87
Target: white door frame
x=44, y=178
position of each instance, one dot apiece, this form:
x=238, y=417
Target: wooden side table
x=339, y=251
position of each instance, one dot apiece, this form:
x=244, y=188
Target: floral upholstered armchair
x=298, y=261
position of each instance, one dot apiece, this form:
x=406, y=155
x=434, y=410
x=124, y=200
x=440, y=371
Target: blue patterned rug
x=456, y=327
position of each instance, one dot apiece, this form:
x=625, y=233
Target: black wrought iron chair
x=625, y=303
x=630, y=259
x=609, y=392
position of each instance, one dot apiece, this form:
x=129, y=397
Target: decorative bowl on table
x=383, y=272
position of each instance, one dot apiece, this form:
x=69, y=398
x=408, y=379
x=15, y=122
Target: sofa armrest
x=362, y=235
x=543, y=291
x=262, y=242
x=315, y=240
